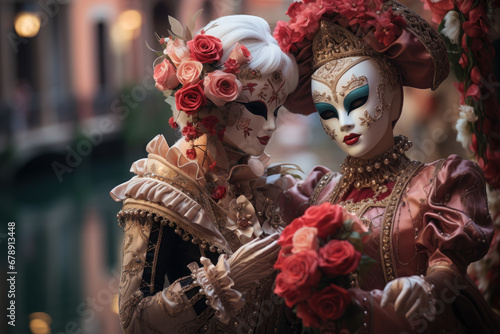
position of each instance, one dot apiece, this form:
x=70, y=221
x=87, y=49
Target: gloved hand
x=412, y=296
x=224, y=283
x=253, y=261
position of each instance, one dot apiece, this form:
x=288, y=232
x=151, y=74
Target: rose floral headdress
x=468, y=28
x=384, y=28
x=189, y=70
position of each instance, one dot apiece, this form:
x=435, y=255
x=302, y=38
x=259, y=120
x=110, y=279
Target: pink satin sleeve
x=457, y=227
x=295, y=200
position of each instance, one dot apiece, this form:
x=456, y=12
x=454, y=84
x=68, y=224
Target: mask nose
x=346, y=123
x=270, y=124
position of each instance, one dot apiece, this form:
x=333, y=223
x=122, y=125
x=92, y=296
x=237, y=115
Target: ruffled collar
x=376, y=172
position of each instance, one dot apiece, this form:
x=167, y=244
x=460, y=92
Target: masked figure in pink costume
x=428, y=222
x=199, y=220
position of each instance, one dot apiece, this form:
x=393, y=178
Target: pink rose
x=205, y=48
x=188, y=72
x=241, y=54
x=305, y=238
x=221, y=87
x=177, y=51
x=165, y=76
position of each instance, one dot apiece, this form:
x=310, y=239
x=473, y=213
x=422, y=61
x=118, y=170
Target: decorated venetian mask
x=357, y=101
x=257, y=108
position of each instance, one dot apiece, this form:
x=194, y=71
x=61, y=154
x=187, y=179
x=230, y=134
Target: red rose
x=209, y=122
x=327, y=218
x=189, y=132
x=212, y=165
x=172, y=123
x=291, y=294
x=285, y=36
x=190, y=98
x=191, y=153
x=309, y=318
x=205, y=48
x=338, y=257
x=330, y=303
x=219, y=192
x=231, y=66
x=388, y=27
x=301, y=269
x=286, y=237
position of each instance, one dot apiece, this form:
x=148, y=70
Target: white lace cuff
x=216, y=283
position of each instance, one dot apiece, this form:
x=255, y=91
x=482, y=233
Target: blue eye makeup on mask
x=258, y=108
x=326, y=111
x=357, y=98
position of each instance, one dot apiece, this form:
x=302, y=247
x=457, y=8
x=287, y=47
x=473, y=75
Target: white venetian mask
x=258, y=104
x=357, y=102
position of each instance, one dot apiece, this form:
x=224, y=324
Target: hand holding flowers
x=321, y=253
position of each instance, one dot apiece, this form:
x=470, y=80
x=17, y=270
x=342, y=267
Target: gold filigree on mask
x=354, y=83
x=330, y=73
x=321, y=97
x=277, y=77
x=368, y=119
x=249, y=74
x=330, y=132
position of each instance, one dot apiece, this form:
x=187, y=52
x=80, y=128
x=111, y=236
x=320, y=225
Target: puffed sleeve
x=457, y=227
x=296, y=199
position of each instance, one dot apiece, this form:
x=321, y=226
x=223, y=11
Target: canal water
x=67, y=243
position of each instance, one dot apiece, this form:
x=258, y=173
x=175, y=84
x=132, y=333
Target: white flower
x=451, y=27
x=467, y=116
x=467, y=113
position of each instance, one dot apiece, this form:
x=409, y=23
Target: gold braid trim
x=387, y=230
x=428, y=36
x=145, y=210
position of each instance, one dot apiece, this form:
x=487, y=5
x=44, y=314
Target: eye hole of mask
x=357, y=98
x=276, y=111
x=326, y=111
x=258, y=108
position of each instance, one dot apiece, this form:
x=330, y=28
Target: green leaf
x=176, y=27
x=364, y=265
x=348, y=224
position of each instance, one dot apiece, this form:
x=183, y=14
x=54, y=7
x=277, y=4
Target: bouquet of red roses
x=321, y=254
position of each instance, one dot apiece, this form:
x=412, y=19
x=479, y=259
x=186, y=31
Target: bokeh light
x=40, y=323
x=27, y=24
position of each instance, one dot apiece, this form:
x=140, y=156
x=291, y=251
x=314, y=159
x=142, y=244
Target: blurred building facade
x=64, y=63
